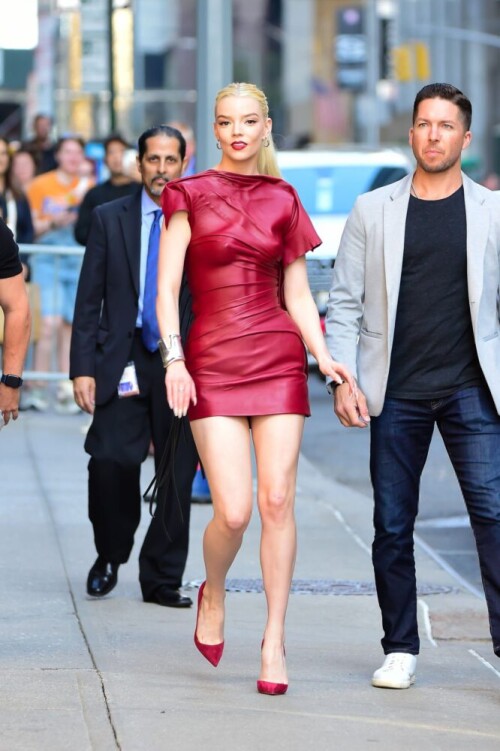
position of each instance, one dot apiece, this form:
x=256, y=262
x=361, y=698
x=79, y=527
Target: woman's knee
x=276, y=505
x=233, y=522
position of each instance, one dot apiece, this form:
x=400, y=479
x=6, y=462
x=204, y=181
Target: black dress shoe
x=102, y=578
x=170, y=598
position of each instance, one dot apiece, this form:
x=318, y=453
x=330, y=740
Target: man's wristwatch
x=330, y=387
x=12, y=381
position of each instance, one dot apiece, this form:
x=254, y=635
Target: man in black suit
x=118, y=377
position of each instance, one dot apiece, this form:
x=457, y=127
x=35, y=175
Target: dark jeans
x=400, y=439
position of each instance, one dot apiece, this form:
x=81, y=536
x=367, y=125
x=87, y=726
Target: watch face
x=12, y=381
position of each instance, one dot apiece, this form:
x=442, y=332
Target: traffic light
x=402, y=62
x=422, y=61
x=411, y=61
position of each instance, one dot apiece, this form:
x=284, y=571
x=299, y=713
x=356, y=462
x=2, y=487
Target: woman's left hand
x=337, y=372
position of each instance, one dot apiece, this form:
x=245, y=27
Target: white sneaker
x=398, y=671
x=66, y=404
x=34, y=399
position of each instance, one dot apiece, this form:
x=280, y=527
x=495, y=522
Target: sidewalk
x=78, y=674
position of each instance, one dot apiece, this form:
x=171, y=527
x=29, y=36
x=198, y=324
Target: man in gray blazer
x=414, y=313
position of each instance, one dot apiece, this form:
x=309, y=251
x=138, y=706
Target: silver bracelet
x=171, y=349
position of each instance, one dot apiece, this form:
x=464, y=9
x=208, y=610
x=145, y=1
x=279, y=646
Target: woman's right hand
x=180, y=388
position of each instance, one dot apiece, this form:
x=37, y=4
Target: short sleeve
x=300, y=235
x=36, y=192
x=10, y=265
x=174, y=198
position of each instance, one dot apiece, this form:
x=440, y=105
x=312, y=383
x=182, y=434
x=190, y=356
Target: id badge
x=128, y=386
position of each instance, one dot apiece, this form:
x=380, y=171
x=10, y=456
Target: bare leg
x=223, y=444
x=277, y=441
x=64, y=342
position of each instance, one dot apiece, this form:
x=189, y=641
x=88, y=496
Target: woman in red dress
x=241, y=233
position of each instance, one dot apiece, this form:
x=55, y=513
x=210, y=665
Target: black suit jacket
x=108, y=294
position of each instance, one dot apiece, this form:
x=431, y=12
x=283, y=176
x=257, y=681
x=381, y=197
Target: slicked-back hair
x=451, y=94
x=161, y=130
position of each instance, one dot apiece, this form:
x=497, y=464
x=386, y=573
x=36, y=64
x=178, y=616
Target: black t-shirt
x=434, y=353
x=10, y=265
x=44, y=156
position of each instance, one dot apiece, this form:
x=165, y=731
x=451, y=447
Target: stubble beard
x=434, y=169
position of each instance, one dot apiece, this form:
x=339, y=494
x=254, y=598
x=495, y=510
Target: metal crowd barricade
x=58, y=251
x=319, y=273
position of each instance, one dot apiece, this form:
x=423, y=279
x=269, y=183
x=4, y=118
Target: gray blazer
x=364, y=294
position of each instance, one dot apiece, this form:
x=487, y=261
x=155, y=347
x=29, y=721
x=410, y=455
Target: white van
x=328, y=182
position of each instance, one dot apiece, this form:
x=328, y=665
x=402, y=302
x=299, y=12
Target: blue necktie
x=150, y=330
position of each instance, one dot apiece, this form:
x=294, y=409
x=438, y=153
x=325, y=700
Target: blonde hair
x=267, y=164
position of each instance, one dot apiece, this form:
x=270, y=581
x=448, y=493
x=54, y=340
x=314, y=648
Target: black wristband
x=330, y=387
x=12, y=381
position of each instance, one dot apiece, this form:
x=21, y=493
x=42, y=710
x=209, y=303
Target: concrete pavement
x=117, y=673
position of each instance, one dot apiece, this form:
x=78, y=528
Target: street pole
x=372, y=126
x=111, y=70
x=214, y=70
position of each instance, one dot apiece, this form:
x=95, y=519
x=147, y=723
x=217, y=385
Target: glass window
x=333, y=190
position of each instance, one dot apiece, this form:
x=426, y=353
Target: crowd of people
x=48, y=190
x=189, y=321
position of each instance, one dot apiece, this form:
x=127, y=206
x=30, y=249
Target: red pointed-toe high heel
x=271, y=689
x=211, y=652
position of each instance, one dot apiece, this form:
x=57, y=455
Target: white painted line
x=484, y=662
x=339, y=517
x=447, y=522
x=437, y=729
x=449, y=569
x=427, y=621
x=418, y=540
